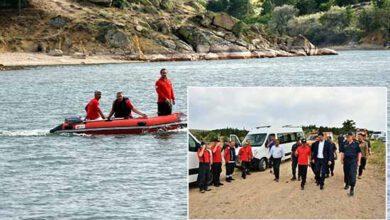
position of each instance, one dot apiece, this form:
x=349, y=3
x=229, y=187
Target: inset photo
x=287, y=152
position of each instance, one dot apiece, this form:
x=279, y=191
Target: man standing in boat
x=93, y=110
x=122, y=108
x=166, y=97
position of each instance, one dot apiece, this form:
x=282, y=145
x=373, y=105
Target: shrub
x=280, y=17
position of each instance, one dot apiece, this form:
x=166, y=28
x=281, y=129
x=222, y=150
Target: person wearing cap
x=216, y=167
x=277, y=152
x=364, y=149
x=333, y=157
x=166, y=96
x=303, y=154
x=93, y=110
x=122, y=108
x=230, y=160
x=245, y=156
x=294, y=160
x=205, y=159
x=321, y=152
x=350, y=158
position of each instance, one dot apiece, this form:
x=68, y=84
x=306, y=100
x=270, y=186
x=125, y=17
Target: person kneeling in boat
x=93, y=110
x=122, y=108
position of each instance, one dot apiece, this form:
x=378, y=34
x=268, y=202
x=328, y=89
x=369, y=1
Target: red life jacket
x=206, y=158
x=217, y=156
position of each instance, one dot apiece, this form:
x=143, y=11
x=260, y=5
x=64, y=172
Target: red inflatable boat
x=122, y=126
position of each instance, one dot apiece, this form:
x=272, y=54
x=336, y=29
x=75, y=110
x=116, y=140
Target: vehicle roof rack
x=263, y=126
x=290, y=126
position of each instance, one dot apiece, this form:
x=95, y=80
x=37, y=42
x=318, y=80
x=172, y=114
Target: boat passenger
x=122, y=108
x=166, y=97
x=93, y=110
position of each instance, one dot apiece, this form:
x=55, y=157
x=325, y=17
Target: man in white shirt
x=321, y=157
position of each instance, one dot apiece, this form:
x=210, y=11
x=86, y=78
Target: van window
x=300, y=135
x=256, y=139
x=193, y=146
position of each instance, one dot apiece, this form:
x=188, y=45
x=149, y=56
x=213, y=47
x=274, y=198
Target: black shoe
x=221, y=184
x=248, y=173
x=346, y=187
x=244, y=177
x=321, y=187
x=216, y=185
x=332, y=174
x=317, y=183
x=351, y=193
x=294, y=178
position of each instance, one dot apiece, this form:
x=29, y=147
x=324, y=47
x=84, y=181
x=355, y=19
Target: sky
x=248, y=107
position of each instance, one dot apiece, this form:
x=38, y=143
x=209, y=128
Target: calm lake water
x=58, y=176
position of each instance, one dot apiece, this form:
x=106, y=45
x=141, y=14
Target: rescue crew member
x=230, y=160
x=269, y=145
x=303, y=153
x=245, y=156
x=205, y=159
x=122, y=108
x=364, y=149
x=333, y=157
x=93, y=110
x=216, y=167
x=350, y=157
x=277, y=153
x=166, y=97
x=321, y=158
x=294, y=160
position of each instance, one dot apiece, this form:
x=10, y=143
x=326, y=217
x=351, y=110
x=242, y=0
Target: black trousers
x=270, y=162
x=330, y=168
x=245, y=168
x=302, y=172
x=321, y=167
x=294, y=164
x=216, y=169
x=362, y=166
x=203, y=175
x=164, y=108
x=276, y=166
x=229, y=169
x=350, y=169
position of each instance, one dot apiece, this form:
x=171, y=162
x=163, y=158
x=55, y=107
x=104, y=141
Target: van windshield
x=256, y=139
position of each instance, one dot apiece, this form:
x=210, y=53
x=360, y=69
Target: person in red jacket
x=205, y=159
x=230, y=160
x=245, y=155
x=216, y=167
x=166, y=97
x=93, y=110
x=303, y=153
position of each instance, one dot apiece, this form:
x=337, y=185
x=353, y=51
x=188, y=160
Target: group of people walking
x=320, y=156
x=123, y=108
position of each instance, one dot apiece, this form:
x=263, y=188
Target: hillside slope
x=144, y=29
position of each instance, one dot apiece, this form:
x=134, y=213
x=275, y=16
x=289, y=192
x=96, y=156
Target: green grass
x=378, y=155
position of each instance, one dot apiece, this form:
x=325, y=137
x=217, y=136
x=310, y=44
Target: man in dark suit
x=321, y=157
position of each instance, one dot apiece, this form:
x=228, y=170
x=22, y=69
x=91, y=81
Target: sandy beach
x=259, y=196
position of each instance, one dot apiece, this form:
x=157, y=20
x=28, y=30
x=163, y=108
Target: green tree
x=280, y=17
x=240, y=8
x=218, y=5
x=349, y=126
x=267, y=6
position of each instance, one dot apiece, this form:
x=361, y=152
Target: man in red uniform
x=230, y=160
x=122, y=108
x=205, y=159
x=166, y=97
x=93, y=109
x=216, y=167
x=303, y=153
x=245, y=155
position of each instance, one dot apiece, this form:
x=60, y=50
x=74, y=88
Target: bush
x=280, y=17
x=120, y=4
x=217, y=5
x=237, y=8
x=336, y=18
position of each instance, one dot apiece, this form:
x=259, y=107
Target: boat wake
x=24, y=133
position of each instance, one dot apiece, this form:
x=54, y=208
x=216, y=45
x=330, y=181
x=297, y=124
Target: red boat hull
x=124, y=126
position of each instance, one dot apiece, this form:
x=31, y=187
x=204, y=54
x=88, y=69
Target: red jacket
x=245, y=153
x=217, y=155
x=206, y=158
x=227, y=154
x=164, y=90
x=92, y=109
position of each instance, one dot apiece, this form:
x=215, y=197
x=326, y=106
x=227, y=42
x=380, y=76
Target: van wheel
x=262, y=164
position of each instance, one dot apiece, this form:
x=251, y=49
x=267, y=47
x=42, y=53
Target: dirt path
x=259, y=196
